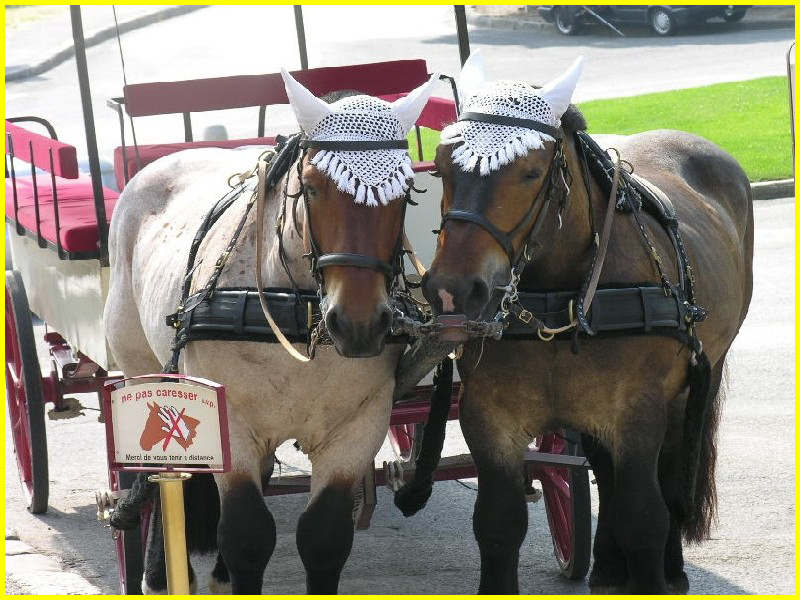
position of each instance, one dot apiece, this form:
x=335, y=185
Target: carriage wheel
x=568, y=506
x=405, y=439
x=24, y=396
x=130, y=544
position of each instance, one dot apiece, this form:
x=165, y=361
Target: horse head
x=355, y=176
x=503, y=169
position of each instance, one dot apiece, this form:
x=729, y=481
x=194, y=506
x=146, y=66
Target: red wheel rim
x=18, y=402
x=557, y=499
x=401, y=437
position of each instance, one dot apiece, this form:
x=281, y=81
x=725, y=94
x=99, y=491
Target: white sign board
x=157, y=424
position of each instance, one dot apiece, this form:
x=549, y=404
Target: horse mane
x=573, y=120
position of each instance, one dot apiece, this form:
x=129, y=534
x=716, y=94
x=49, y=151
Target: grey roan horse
x=345, y=211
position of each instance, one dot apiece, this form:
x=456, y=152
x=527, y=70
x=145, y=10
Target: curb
x=510, y=23
x=38, y=574
x=770, y=190
x=95, y=38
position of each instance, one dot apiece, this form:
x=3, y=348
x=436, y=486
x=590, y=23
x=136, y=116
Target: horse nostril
x=332, y=322
x=477, y=296
x=384, y=320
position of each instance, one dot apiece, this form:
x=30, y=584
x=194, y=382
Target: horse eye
x=310, y=190
x=535, y=174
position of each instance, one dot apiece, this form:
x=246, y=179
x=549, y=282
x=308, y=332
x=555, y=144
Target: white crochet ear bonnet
x=489, y=146
x=372, y=177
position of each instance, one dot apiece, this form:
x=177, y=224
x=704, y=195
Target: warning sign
x=157, y=424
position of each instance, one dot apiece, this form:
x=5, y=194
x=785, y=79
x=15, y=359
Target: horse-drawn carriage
x=59, y=247
x=356, y=291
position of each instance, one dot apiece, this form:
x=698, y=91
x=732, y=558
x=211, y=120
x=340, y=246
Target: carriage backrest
x=389, y=80
x=43, y=152
x=241, y=91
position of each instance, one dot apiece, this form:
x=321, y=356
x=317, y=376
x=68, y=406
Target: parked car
x=663, y=20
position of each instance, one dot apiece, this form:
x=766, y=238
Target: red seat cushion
x=77, y=219
x=151, y=152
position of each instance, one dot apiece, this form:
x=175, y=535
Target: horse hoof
x=607, y=584
x=219, y=588
x=605, y=590
x=679, y=584
x=148, y=591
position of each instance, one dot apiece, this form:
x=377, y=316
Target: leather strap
x=355, y=146
x=605, y=236
x=346, y=259
x=260, y=204
x=511, y=122
x=465, y=215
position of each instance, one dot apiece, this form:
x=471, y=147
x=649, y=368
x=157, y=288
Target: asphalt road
x=751, y=550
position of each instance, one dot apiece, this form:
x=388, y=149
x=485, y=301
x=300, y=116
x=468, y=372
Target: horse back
x=713, y=201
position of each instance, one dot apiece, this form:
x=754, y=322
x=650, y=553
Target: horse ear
x=473, y=75
x=408, y=108
x=558, y=93
x=308, y=109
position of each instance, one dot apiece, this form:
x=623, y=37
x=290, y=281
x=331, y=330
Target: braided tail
x=413, y=496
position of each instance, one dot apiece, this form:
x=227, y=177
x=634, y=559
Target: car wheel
x=734, y=14
x=662, y=21
x=567, y=21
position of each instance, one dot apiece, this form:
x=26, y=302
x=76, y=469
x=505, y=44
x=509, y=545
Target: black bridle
x=319, y=259
x=558, y=168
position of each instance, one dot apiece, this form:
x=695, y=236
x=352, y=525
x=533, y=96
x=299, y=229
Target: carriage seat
x=66, y=220
x=389, y=80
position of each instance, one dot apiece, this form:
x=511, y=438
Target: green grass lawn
x=749, y=119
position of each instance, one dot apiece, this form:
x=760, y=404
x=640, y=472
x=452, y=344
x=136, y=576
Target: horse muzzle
x=358, y=338
x=467, y=295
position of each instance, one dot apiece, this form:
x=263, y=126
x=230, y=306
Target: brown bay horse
x=630, y=395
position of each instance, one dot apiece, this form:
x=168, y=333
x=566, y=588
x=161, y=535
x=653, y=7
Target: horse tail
x=201, y=507
x=413, y=496
x=701, y=422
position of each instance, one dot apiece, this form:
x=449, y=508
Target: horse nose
x=468, y=295
x=357, y=338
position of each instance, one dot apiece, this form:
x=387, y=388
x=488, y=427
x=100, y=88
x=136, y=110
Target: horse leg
x=500, y=519
x=640, y=518
x=246, y=534
x=670, y=477
x=339, y=459
x=325, y=535
x=610, y=568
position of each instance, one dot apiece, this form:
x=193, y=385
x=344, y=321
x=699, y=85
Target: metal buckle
x=223, y=258
x=525, y=316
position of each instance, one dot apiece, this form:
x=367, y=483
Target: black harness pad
x=631, y=309
x=236, y=315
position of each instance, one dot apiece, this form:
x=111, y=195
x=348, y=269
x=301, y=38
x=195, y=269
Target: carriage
x=59, y=242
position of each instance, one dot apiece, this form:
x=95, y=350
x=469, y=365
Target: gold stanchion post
x=170, y=486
